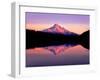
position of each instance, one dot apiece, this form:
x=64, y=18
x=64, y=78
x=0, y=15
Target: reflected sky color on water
x=57, y=55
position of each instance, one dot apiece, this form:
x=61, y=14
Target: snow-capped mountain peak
x=56, y=28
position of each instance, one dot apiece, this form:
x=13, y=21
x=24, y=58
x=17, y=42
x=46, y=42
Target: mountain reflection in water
x=65, y=54
x=58, y=49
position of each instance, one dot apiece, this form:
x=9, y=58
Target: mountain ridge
x=56, y=28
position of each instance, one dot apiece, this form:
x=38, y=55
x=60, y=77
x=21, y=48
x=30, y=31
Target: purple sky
x=50, y=18
x=72, y=22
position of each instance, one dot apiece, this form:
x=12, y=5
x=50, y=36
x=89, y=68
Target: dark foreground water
x=57, y=55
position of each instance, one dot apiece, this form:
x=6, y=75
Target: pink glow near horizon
x=76, y=28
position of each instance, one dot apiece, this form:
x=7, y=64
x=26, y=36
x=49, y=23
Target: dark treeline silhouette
x=84, y=39
x=41, y=39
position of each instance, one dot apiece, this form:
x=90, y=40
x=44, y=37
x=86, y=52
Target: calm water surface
x=57, y=55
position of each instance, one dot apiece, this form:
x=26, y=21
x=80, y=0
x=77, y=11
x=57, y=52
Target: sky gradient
x=72, y=22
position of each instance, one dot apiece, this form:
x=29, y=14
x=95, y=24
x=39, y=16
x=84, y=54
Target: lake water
x=57, y=55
